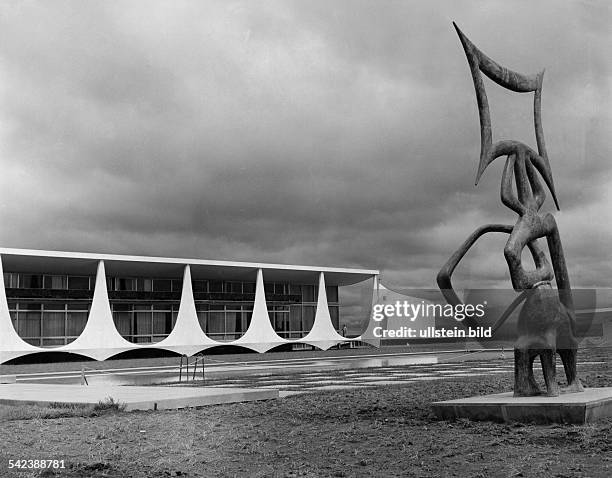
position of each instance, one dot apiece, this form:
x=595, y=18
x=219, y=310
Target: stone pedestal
x=584, y=407
x=8, y=378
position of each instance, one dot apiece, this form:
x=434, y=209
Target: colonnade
x=101, y=340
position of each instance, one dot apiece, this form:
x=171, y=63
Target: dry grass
x=59, y=410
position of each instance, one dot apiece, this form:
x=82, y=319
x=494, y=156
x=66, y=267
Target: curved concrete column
x=368, y=335
x=11, y=345
x=100, y=339
x=187, y=336
x=322, y=334
x=260, y=336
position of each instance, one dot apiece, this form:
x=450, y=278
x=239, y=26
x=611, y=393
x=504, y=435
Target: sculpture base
x=583, y=407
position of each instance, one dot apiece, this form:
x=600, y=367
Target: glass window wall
x=50, y=323
x=17, y=280
x=224, y=321
x=145, y=322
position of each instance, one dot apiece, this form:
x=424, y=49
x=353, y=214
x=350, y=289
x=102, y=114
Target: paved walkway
x=134, y=398
x=230, y=389
x=219, y=368
x=304, y=382
x=307, y=382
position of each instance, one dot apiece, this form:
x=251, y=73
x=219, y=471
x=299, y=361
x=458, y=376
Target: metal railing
x=198, y=358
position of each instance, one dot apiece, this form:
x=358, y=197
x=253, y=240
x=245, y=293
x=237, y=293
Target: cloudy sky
x=339, y=133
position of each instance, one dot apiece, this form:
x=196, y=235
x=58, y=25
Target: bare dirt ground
x=377, y=431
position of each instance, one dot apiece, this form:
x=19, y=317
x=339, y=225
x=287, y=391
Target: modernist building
x=100, y=305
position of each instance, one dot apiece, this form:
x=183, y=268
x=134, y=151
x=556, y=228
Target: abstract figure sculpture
x=546, y=323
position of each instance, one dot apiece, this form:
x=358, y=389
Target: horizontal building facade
x=100, y=305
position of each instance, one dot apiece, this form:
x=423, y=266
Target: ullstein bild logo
x=404, y=310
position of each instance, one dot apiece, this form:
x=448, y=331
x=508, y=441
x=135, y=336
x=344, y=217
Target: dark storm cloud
x=331, y=133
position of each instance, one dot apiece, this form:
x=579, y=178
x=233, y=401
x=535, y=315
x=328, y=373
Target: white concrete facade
x=100, y=339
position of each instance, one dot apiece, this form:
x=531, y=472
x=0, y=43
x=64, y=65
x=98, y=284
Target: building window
x=215, y=286
x=76, y=318
x=162, y=285
x=78, y=282
x=308, y=316
x=216, y=321
x=11, y=280
x=295, y=321
x=279, y=316
x=332, y=293
x=53, y=321
x=14, y=280
x=224, y=321
x=30, y=281
x=308, y=293
x=334, y=313
x=145, y=322
x=123, y=320
x=233, y=287
x=56, y=282
x=144, y=285
x=49, y=324
x=200, y=286
x=125, y=284
x=202, y=313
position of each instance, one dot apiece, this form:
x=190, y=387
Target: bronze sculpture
x=546, y=323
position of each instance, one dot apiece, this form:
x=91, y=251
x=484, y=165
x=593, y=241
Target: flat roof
x=34, y=260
